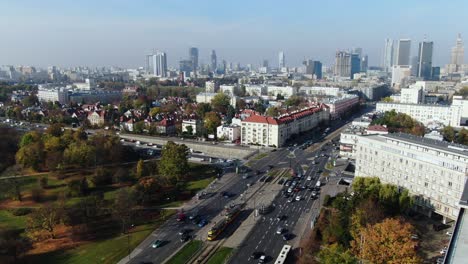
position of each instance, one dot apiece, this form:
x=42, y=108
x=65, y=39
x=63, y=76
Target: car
x=290, y=200
x=290, y=189
x=184, y=238
x=286, y=236
x=281, y=218
x=309, y=178
x=262, y=179
x=245, y=176
x=202, y=223
x=281, y=181
x=314, y=193
x=298, y=198
x=280, y=230
x=287, y=183
x=256, y=255
x=262, y=259
x=157, y=243
x=183, y=231
x=296, y=189
x=443, y=251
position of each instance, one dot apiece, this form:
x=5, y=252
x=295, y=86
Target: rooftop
x=286, y=118
x=442, y=145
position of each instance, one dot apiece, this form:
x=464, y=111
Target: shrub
x=37, y=194
x=43, y=182
x=21, y=211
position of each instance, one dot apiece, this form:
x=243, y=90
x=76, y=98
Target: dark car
x=202, y=223
x=262, y=179
x=256, y=255
x=281, y=181
x=184, y=238
x=286, y=237
x=281, y=218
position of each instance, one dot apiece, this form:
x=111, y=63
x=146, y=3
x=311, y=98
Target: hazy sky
x=121, y=32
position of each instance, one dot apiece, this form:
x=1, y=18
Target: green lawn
x=184, y=255
x=260, y=156
x=9, y=221
x=220, y=256
x=104, y=251
x=199, y=184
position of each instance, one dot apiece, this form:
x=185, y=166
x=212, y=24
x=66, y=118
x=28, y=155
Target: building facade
x=229, y=132
x=403, y=52
x=341, y=105
x=433, y=172
x=274, y=132
x=429, y=115
x=425, y=60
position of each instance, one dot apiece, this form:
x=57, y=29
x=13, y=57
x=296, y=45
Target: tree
x=220, y=102
x=79, y=154
x=174, y=161
x=147, y=190
x=336, y=254
x=462, y=137
x=293, y=101
x=260, y=107
x=12, y=187
x=101, y=177
x=13, y=244
x=30, y=100
x=45, y=218
x=54, y=130
x=272, y=111
x=9, y=145
x=43, y=182
x=140, y=169
x=279, y=97
x=449, y=133
x=78, y=187
x=387, y=99
x=37, y=194
x=202, y=109
x=154, y=111
x=386, y=242
x=211, y=122
x=123, y=207
x=189, y=130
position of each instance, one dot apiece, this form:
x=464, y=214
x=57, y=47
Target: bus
x=283, y=254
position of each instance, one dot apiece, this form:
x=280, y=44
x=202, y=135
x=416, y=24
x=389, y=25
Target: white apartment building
x=255, y=90
x=228, y=132
x=207, y=97
x=323, y=91
x=434, y=172
x=197, y=126
x=210, y=87
x=412, y=95
x=60, y=95
x=274, y=132
x=463, y=104
x=227, y=89
x=285, y=91
x=427, y=114
x=400, y=74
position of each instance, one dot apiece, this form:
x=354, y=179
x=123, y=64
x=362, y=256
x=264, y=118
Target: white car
x=290, y=190
x=298, y=198
x=309, y=178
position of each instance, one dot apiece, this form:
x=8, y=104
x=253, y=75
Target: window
x=450, y=184
x=426, y=184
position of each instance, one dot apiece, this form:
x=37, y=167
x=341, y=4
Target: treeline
x=366, y=225
x=60, y=148
x=399, y=122
x=451, y=135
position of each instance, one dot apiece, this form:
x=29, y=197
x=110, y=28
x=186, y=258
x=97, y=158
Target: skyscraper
x=388, y=55
x=193, y=54
x=160, y=64
x=214, y=61
x=458, y=52
x=355, y=64
x=343, y=64
x=281, y=60
x=364, y=63
x=358, y=51
x=425, y=59
x=403, y=52
x=318, y=69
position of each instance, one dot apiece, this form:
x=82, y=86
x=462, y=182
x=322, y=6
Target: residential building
x=95, y=96
x=428, y=114
x=463, y=104
x=400, y=75
x=160, y=64
x=412, y=95
x=343, y=64
x=274, y=132
x=96, y=118
x=285, y=91
x=207, y=97
x=166, y=126
x=61, y=95
x=228, y=89
x=210, y=87
x=339, y=106
x=403, y=52
x=425, y=60
x=320, y=91
x=195, y=124
x=372, y=92
x=434, y=172
x=229, y=132
x=255, y=90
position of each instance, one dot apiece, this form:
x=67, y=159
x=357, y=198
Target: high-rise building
x=343, y=64
x=317, y=69
x=355, y=64
x=414, y=65
x=364, y=63
x=193, y=55
x=265, y=63
x=160, y=64
x=358, y=51
x=281, y=60
x=457, y=56
x=388, y=55
x=403, y=52
x=425, y=59
x=185, y=66
x=458, y=52
x=214, y=62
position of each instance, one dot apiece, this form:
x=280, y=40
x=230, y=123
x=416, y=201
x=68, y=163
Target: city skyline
x=120, y=36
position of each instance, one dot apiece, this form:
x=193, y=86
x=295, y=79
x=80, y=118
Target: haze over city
x=119, y=33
